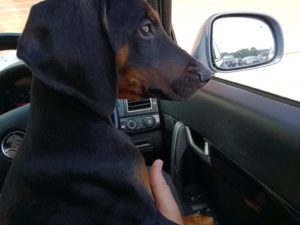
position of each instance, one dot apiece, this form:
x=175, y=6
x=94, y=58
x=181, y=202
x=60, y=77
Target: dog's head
x=149, y=62
x=85, y=47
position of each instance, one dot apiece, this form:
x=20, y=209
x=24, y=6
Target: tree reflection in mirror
x=241, y=42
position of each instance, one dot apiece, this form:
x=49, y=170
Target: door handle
x=203, y=153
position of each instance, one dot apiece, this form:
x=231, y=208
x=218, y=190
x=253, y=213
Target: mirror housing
x=237, y=55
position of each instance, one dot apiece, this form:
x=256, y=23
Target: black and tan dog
x=74, y=167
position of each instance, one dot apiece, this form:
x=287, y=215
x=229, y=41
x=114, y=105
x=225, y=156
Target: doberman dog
x=74, y=167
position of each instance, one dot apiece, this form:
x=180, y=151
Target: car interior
x=232, y=152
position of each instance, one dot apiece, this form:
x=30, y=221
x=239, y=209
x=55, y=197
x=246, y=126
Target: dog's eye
x=146, y=29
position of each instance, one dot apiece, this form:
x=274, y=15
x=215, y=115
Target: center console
x=140, y=120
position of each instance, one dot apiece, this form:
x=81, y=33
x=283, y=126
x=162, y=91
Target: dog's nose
x=203, y=73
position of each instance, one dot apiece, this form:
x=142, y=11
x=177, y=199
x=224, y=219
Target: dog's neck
x=56, y=118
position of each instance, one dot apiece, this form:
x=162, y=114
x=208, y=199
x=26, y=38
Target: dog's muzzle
x=203, y=73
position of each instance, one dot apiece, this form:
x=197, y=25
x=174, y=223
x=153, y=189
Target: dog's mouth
x=181, y=89
x=186, y=86
x=199, y=70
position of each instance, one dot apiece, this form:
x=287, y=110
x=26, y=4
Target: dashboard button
x=131, y=124
x=149, y=121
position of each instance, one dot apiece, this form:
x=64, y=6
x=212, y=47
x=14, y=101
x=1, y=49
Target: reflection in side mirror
x=241, y=42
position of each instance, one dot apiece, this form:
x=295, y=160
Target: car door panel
x=259, y=134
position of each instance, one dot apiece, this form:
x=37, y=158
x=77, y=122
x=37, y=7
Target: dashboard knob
x=149, y=121
x=131, y=124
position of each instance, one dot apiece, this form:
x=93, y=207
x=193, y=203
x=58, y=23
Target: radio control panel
x=140, y=123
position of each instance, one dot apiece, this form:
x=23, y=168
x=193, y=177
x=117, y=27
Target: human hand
x=162, y=194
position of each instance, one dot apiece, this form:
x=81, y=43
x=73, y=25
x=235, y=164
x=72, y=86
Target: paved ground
x=282, y=79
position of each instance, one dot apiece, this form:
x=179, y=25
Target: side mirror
x=238, y=41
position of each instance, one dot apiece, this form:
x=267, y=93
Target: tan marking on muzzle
x=131, y=84
x=122, y=57
x=129, y=80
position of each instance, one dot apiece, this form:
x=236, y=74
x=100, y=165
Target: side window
x=13, y=15
x=281, y=79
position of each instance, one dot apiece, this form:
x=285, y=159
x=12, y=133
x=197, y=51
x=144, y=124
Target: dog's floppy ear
x=66, y=46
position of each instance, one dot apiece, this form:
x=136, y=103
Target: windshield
x=13, y=15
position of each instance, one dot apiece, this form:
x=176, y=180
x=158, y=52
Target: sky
x=234, y=34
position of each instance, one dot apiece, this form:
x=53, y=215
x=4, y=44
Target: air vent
x=141, y=104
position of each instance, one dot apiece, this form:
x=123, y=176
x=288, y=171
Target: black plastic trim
x=259, y=134
x=9, y=41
